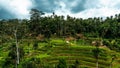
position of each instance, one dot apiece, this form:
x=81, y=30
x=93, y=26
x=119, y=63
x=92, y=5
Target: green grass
x=42, y=55
x=50, y=53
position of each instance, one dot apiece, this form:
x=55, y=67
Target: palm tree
x=113, y=58
x=96, y=52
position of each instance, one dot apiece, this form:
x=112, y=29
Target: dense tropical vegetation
x=59, y=42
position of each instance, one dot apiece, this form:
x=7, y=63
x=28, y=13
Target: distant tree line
x=59, y=26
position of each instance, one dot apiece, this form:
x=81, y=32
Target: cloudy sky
x=74, y=8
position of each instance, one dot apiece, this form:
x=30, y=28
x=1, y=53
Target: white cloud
x=101, y=12
x=20, y=8
x=94, y=8
x=100, y=8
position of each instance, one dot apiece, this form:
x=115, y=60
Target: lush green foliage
x=57, y=25
x=56, y=42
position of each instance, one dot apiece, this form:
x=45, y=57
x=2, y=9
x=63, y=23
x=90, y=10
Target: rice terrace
x=59, y=35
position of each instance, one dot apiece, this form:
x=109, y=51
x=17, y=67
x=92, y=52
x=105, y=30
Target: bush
x=29, y=64
x=76, y=64
x=62, y=64
x=35, y=45
x=33, y=63
x=10, y=60
x=112, y=44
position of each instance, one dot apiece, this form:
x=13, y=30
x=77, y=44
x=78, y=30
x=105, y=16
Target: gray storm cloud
x=89, y=8
x=75, y=8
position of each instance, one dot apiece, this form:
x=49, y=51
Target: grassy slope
x=51, y=52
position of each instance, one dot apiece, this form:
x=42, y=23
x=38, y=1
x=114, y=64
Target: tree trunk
x=17, y=61
x=111, y=62
x=110, y=65
x=97, y=63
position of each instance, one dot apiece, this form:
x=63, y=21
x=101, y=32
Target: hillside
x=59, y=42
x=48, y=54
